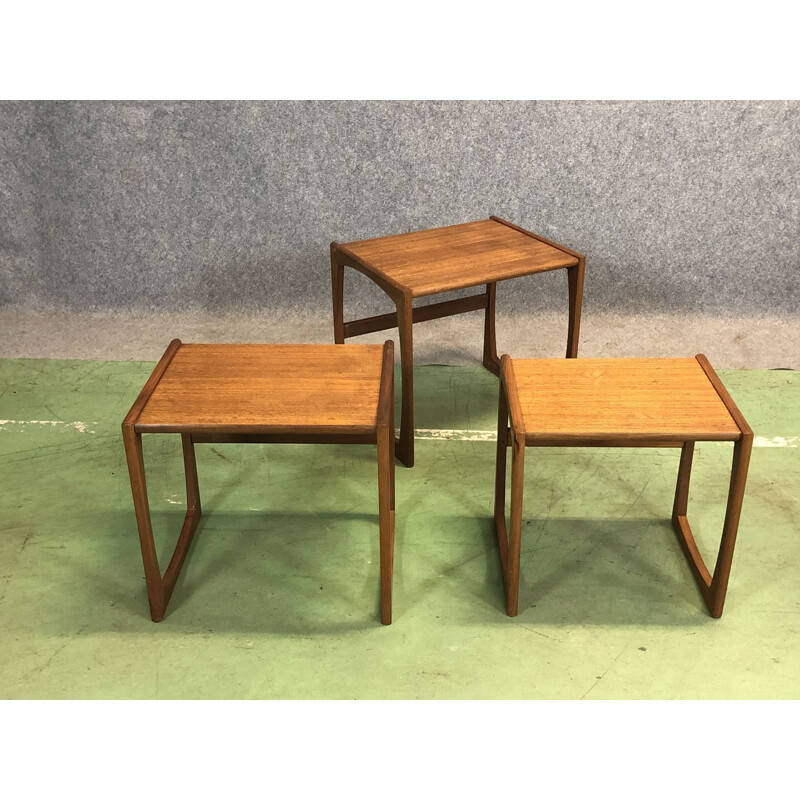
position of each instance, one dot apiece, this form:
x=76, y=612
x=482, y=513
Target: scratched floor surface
x=279, y=596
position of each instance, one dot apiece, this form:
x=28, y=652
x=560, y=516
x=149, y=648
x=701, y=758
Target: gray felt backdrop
x=233, y=205
x=230, y=206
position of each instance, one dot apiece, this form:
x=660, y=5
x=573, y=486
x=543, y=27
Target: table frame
x=713, y=588
x=160, y=587
x=406, y=315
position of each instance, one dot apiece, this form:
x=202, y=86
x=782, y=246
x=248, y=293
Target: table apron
x=605, y=442
x=284, y=438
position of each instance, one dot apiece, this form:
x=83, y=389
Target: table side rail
x=446, y=308
x=152, y=382
x=538, y=238
x=720, y=389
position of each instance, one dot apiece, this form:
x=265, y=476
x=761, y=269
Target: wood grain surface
x=612, y=398
x=266, y=387
x=457, y=256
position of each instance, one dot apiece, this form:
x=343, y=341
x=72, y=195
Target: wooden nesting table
x=412, y=265
x=262, y=393
x=610, y=402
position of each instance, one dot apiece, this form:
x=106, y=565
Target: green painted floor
x=279, y=595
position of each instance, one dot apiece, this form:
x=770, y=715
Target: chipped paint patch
x=81, y=427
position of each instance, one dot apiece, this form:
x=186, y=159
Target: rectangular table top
x=457, y=256
x=267, y=388
x=620, y=398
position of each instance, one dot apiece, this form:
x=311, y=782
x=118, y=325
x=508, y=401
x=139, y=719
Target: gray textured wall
x=231, y=206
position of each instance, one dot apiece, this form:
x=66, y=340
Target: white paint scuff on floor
x=432, y=434
x=776, y=441
x=454, y=434
x=81, y=427
x=440, y=434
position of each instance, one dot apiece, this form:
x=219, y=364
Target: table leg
x=405, y=322
x=681, y=524
x=515, y=526
x=159, y=589
x=190, y=470
x=490, y=359
x=575, y=283
x=681, y=503
x=386, y=516
x=152, y=573
x=509, y=537
x=500, y=483
x=722, y=570
x=337, y=287
x=712, y=588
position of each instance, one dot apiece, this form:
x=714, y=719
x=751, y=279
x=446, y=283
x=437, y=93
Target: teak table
x=411, y=265
x=262, y=393
x=612, y=402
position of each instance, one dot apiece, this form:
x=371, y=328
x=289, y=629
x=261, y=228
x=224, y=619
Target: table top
x=457, y=256
x=664, y=399
x=263, y=388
